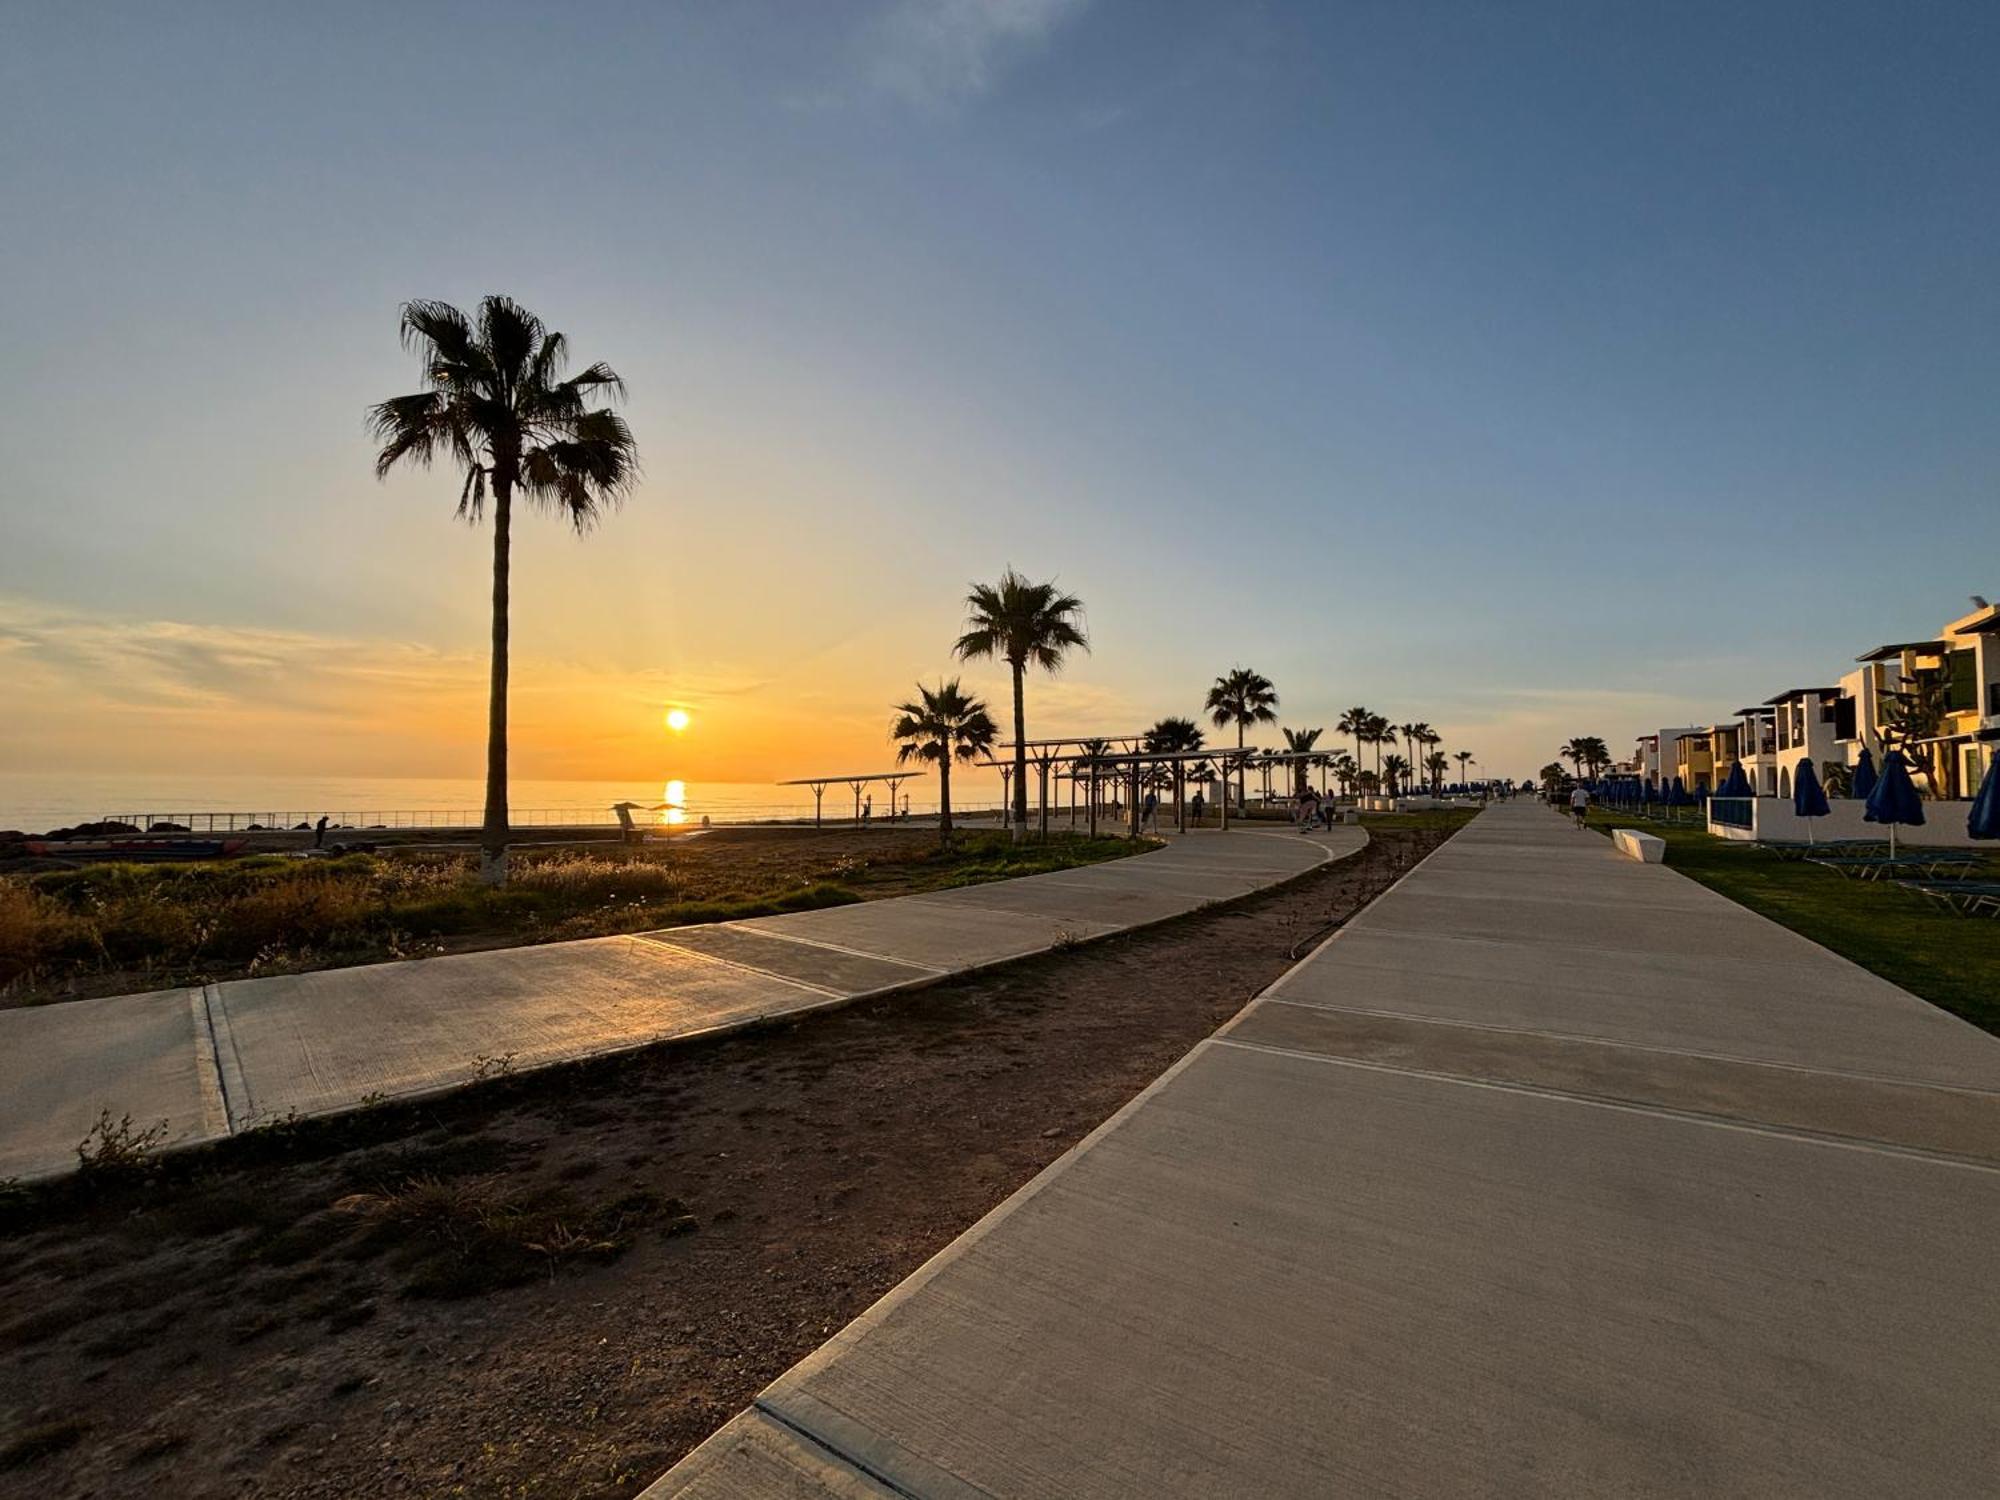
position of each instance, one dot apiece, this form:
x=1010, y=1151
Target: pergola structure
x=1044, y=754
x=1129, y=764
x=819, y=784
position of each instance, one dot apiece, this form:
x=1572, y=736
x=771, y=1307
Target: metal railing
x=459, y=820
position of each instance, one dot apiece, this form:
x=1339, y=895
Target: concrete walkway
x=1552, y=1173
x=227, y=1057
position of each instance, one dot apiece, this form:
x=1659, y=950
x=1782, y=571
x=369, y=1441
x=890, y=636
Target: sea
x=36, y=801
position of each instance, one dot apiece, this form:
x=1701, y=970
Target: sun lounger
x=1966, y=897
x=1823, y=848
x=1874, y=866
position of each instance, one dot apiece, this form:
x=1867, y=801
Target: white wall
x=1773, y=818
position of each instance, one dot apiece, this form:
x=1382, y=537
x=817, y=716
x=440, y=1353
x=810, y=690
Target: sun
x=678, y=719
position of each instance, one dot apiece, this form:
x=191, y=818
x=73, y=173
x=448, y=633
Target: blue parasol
x=1808, y=800
x=1983, y=822
x=1735, y=784
x=1864, y=775
x=1895, y=799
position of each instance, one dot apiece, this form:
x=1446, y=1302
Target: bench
x=1645, y=847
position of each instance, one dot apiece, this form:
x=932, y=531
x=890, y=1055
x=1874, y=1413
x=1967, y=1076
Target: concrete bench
x=1643, y=847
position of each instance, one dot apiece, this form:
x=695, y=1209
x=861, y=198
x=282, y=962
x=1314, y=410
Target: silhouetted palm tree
x=1463, y=757
x=1378, y=732
x=1393, y=768
x=1346, y=770
x=1300, y=742
x=1023, y=624
x=1574, y=752
x=943, y=725
x=1355, y=722
x=496, y=406
x=1437, y=763
x=1241, y=698
x=1172, y=737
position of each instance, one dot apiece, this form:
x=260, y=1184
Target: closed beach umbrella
x=1983, y=822
x=1895, y=798
x=1808, y=801
x=1735, y=784
x=1864, y=775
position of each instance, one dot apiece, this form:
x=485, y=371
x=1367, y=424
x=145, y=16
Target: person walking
x=867, y=811
x=1149, y=813
x=1579, y=806
x=1195, y=806
x=319, y=831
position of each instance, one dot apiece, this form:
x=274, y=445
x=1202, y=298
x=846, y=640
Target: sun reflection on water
x=676, y=799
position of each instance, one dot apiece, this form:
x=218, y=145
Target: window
x=1843, y=717
x=1961, y=682
x=1993, y=697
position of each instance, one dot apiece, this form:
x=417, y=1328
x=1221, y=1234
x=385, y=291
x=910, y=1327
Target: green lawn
x=1949, y=960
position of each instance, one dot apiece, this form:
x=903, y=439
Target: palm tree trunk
x=493, y=833
x=944, y=796
x=1020, y=752
x=1239, y=770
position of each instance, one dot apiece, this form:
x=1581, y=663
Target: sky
x=1535, y=370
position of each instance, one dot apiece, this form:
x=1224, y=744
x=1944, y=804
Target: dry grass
x=106, y=928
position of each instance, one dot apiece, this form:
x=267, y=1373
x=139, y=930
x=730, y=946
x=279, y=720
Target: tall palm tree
x=940, y=726
x=1355, y=722
x=1242, y=698
x=495, y=405
x=1300, y=742
x=1380, y=732
x=1463, y=757
x=1026, y=624
x=1172, y=736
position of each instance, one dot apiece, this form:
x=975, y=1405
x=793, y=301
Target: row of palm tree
x=497, y=404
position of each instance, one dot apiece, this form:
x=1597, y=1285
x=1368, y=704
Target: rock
x=683, y=1224
x=169, y=828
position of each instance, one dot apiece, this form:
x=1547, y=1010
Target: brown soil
x=559, y=1284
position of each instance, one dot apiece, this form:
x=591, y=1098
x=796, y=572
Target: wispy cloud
x=935, y=53
x=122, y=692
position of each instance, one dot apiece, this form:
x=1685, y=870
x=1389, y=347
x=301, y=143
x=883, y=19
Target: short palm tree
x=495, y=405
x=1025, y=624
x=1345, y=770
x=1437, y=763
x=1575, y=752
x=939, y=726
x=1242, y=698
x=1172, y=736
x=1393, y=768
x=1464, y=758
x=1300, y=742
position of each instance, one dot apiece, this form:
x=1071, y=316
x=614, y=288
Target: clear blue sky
x=1534, y=369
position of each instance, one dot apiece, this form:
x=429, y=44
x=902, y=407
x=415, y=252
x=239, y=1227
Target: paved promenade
x=227, y=1057
x=1551, y=1174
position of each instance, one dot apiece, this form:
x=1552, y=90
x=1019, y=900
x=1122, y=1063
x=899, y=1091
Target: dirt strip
x=557, y=1285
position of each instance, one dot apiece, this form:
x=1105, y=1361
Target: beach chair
x=1968, y=898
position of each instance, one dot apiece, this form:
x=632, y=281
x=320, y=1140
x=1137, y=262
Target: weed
x=116, y=1147
x=486, y=1068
